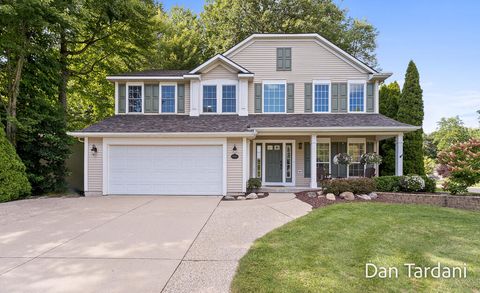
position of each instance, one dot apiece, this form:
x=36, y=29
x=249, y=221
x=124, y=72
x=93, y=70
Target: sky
x=442, y=38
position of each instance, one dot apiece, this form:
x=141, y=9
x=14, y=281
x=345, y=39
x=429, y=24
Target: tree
x=13, y=180
x=227, y=22
x=450, y=131
x=388, y=102
x=410, y=111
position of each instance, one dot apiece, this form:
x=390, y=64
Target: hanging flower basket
x=370, y=158
x=342, y=159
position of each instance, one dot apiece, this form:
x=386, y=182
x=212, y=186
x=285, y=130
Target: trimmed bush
x=399, y=183
x=13, y=179
x=387, y=183
x=430, y=184
x=412, y=183
x=355, y=185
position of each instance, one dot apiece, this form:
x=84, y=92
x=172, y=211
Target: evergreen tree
x=410, y=111
x=389, y=95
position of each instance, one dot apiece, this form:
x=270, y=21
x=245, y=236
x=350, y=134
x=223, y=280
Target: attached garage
x=165, y=169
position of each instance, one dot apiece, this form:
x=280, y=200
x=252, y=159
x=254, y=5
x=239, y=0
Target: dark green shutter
x=342, y=97
x=306, y=160
x=280, y=58
x=181, y=98
x=290, y=97
x=334, y=97
x=370, y=98
x=338, y=170
x=122, y=99
x=287, y=63
x=258, y=98
x=308, y=98
x=151, y=98
x=155, y=98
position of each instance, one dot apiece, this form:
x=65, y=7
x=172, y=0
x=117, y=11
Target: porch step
x=283, y=189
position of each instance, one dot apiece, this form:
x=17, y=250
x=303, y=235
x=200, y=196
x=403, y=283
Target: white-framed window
x=357, y=96
x=219, y=96
x=274, y=96
x=321, y=96
x=356, y=147
x=168, y=98
x=323, y=156
x=135, y=97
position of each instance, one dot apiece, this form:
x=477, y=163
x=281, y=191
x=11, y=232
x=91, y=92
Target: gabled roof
x=324, y=42
x=222, y=58
x=149, y=74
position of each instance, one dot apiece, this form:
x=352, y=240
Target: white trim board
x=222, y=58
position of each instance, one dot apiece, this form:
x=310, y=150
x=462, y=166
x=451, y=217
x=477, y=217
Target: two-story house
x=276, y=106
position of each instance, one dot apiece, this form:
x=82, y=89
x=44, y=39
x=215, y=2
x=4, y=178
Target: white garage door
x=167, y=170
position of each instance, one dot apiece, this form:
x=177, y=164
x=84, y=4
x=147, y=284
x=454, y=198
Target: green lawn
x=326, y=250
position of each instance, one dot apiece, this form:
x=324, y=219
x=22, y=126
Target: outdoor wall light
x=94, y=149
x=234, y=155
x=299, y=145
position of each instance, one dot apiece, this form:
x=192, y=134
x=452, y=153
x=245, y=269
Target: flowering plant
x=342, y=159
x=370, y=158
x=412, y=183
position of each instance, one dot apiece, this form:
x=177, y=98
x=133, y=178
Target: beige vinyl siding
x=310, y=61
x=234, y=167
x=219, y=71
x=95, y=166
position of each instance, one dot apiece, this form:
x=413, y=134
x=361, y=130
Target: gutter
x=338, y=129
x=249, y=134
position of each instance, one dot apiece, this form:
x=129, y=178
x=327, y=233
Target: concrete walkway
x=132, y=244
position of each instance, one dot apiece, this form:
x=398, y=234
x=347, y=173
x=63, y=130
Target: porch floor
x=284, y=189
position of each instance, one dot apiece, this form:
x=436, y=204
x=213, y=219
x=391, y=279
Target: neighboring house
x=275, y=106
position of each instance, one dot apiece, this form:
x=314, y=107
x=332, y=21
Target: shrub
x=430, y=184
x=355, y=185
x=387, y=183
x=254, y=183
x=463, y=162
x=412, y=183
x=13, y=179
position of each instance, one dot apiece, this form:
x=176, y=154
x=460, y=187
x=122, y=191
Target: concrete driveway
x=132, y=244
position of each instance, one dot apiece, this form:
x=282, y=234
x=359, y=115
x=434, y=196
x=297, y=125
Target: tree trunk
x=64, y=74
x=13, y=91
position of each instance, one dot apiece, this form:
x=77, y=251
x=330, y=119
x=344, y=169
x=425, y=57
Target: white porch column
x=313, y=161
x=399, y=155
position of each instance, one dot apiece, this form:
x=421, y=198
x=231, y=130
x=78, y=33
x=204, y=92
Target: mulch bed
x=321, y=201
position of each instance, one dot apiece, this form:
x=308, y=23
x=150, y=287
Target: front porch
x=293, y=162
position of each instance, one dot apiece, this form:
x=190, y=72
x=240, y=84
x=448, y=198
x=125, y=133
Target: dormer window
x=284, y=59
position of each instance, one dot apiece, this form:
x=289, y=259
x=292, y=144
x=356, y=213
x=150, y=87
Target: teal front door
x=273, y=162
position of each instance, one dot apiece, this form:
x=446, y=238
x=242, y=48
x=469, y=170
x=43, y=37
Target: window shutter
x=306, y=160
x=181, y=98
x=290, y=97
x=334, y=97
x=370, y=97
x=308, y=97
x=122, y=99
x=280, y=58
x=155, y=98
x=333, y=152
x=287, y=59
x=342, y=169
x=342, y=97
x=258, y=98
x=148, y=98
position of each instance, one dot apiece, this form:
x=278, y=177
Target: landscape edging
x=466, y=202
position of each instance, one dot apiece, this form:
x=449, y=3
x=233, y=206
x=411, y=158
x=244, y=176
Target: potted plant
x=342, y=159
x=253, y=184
x=370, y=159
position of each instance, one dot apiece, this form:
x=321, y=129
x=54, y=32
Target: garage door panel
x=165, y=170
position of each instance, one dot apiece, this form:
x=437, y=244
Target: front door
x=273, y=164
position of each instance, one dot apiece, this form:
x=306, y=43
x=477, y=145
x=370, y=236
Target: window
x=323, y=159
x=168, y=99
x=274, y=98
x=321, y=93
x=135, y=98
x=356, y=98
x=284, y=59
x=288, y=165
x=209, y=98
x=259, y=160
x=229, y=100
x=356, y=149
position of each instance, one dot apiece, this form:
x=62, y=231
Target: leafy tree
x=410, y=111
x=450, y=131
x=388, y=102
x=181, y=44
x=13, y=180
x=228, y=22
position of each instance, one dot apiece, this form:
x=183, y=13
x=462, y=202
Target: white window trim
x=219, y=83
x=281, y=81
x=284, y=165
x=326, y=140
x=355, y=140
x=364, y=82
x=128, y=84
x=322, y=82
x=160, y=97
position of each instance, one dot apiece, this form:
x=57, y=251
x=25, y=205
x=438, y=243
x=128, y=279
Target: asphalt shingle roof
x=235, y=123
x=154, y=72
